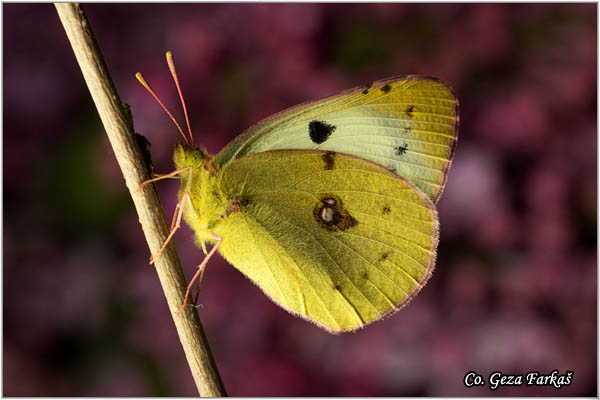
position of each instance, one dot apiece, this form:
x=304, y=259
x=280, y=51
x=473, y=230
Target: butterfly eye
x=194, y=158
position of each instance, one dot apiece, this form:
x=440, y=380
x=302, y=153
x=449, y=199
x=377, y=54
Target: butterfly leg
x=200, y=272
x=175, y=225
x=164, y=176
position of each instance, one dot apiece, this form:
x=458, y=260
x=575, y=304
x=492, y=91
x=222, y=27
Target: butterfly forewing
x=407, y=125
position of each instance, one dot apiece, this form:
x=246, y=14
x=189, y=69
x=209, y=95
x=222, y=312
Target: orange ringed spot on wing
x=331, y=215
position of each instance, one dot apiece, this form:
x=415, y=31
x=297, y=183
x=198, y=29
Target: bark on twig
x=120, y=133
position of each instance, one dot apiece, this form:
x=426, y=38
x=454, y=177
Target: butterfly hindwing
x=335, y=239
x=407, y=125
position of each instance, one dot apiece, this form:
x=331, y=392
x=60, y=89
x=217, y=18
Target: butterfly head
x=185, y=156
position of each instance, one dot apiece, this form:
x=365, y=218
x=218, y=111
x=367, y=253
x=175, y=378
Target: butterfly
x=329, y=206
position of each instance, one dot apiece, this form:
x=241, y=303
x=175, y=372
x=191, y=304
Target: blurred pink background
x=516, y=279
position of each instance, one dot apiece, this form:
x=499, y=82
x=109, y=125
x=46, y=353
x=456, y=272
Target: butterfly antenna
x=174, y=74
x=140, y=78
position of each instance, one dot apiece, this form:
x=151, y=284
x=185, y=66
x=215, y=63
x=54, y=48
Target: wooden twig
x=119, y=129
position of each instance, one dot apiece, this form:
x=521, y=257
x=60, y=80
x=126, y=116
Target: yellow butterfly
x=329, y=206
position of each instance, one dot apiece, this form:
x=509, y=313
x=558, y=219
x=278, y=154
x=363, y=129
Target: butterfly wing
x=408, y=125
x=335, y=239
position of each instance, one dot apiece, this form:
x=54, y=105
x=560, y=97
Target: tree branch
x=119, y=129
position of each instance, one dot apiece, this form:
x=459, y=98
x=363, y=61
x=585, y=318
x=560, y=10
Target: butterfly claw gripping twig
x=200, y=272
x=175, y=225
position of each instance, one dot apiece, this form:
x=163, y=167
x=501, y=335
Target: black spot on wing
x=331, y=215
x=386, y=210
x=329, y=159
x=367, y=87
x=386, y=88
x=319, y=131
x=337, y=288
x=409, y=111
x=384, y=256
x=365, y=275
x=400, y=150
